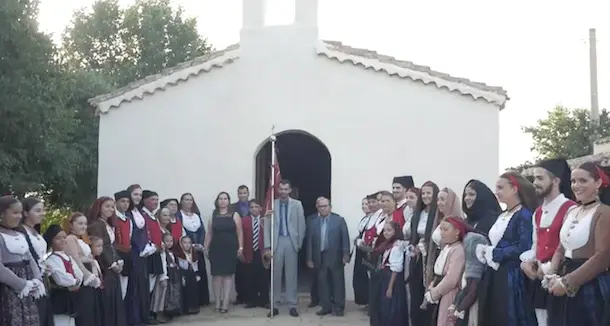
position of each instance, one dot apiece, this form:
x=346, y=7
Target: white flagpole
x=272, y=233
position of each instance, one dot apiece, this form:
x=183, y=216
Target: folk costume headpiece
x=559, y=168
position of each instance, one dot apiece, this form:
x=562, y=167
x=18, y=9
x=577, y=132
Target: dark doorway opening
x=306, y=162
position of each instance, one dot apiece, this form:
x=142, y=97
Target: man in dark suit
x=328, y=252
x=242, y=207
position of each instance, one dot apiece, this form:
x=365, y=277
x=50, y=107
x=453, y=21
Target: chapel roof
x=333, y=50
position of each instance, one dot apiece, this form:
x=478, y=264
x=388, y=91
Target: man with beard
x=552, y=183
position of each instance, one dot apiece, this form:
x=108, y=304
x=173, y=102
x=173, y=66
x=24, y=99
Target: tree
x=567, y=133
x=132, y=43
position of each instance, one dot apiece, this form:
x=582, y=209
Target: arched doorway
x=306, y=162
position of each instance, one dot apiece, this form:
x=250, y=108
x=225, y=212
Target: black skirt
x=112, y=299
x=88, y=304
x=417, y=291
x=204, y=290
x=45, y=310
x=190, y=292
x=155, y=266
x=360, y=280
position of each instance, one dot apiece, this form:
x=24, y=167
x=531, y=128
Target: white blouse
x=16, y=244
x=495, y=235
x=423, y=222
x=110, y=231
x=38, y=243
x=380, y=223
x=138, y=218
x=58, y=270
x=575, y=233
x=394, y=258
x=85, y=248
x=436, y=236
x=441, y=260
x=192, y=222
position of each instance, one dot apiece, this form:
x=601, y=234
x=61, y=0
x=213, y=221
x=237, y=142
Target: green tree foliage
x=48, y=132
x=567, y=133
x=131, y=43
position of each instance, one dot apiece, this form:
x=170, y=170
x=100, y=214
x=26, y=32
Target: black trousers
x=240, y=276
x=313, y=287
x=331, y=284
x=255, y=288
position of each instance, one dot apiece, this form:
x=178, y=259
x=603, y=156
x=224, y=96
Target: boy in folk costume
x=400, y=186
x=552, y=183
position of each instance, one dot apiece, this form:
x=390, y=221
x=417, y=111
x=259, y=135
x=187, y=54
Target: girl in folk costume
x=20, y=278
x=173, y=295
x=579, y=279
x=66, y=278
x=552, y=183
x=464, y=311
x=187, y=262
x=421, y=236
x=480, y=206
x=157, y=305
x=392, y=293
x=148, y=207
x=175, y=224
x=89, y=307
x=400, y=186
x=448, y=269
x=194, y=227
x=33, y=214
x=448, y=204
x=122, y=236
x=503, y=298
x=101, y=220
x=360, y=281
x=137, y=299
x=365, y=245
x=412, y=198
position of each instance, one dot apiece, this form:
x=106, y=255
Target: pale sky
x=537, y=50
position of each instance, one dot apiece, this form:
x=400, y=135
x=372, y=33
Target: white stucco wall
x=201, y=136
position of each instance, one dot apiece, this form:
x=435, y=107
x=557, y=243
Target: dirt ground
x=238, y=316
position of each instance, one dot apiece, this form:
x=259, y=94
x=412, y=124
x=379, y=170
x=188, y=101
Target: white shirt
x=138, y=218
x=38, y=243
x=423, y=222
x=549, y=212
x=192, y=222
x=58, y=270
x=495, y=235
x=574, y=233
x=395, y=257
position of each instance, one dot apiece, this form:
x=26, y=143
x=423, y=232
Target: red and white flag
x=273, y=187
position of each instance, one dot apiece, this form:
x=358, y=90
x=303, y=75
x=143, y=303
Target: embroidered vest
x=398, y=215
x=548, y=238
x=68, y=266
x=122, y=232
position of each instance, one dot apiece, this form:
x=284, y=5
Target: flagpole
x=272, y=201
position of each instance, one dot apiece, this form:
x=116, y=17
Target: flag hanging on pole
x=273, y=189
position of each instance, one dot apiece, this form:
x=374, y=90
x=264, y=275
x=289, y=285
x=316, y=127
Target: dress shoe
x=312, y=304
x=339, y=313
x=250, y=305
x=293, y=312
x=323, y=312
x=275, y=313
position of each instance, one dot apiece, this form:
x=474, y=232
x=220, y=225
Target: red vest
x=154, y=230
x=248, y=232
x=548, y=238
x=176, y=230
x=398, y=215
x=68, y=267
x=122, y=232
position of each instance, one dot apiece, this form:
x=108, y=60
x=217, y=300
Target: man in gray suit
x=327, y=252
x=288, y=234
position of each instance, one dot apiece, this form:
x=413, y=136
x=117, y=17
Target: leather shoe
x=323, y=312
x=293, y=312
x=312, y=304
x=275, y=313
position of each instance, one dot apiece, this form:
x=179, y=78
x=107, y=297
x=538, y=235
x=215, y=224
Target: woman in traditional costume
x=160, y=290
x=480, y=206
x=448, y=270
x=175, y=224
x=33, y=215
x=66, y=278
x=360, y=281
x=193, y=226
x=503, y=297
x=101, y=218
x=392, y=310
x=421, y=236
x=579, y=279
x=137, y=299
x=20, y=279
x=447, y=204
x=89, y=309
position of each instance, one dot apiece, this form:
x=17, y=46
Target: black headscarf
x=52, y=231
x=167, y=201
x=485, y=209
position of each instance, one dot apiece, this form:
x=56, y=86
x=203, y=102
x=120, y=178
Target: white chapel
x=347, y=121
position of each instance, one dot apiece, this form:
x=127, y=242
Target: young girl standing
x=393, y=309
x=66, y=277
x=187, y=261
x=20, y=279
x=173, y=295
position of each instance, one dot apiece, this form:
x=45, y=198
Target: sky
x=537, y=50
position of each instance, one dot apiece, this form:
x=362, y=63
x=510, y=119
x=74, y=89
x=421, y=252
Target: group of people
x=130, y=260
x=425, y=257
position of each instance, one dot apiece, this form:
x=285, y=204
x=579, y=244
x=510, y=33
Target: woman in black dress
x=101, y=216
x=224, y=237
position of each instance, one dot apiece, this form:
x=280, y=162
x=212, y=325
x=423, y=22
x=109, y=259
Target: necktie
x=255, y=234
